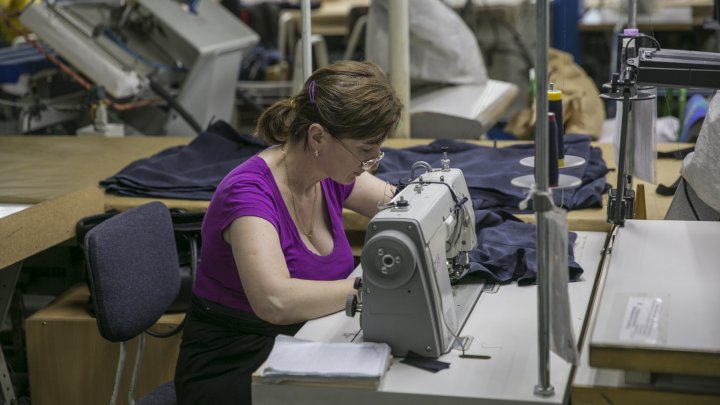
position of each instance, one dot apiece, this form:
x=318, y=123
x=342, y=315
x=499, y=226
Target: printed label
x=641, y=322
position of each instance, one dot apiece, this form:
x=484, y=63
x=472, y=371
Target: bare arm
x=367, y=193
x=274, y=295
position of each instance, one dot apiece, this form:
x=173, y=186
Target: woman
x=274, y=251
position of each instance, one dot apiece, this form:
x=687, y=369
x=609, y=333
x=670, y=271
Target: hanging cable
x=175, y=105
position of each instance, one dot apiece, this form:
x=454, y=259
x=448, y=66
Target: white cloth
x=443, y=49
x=702, y=168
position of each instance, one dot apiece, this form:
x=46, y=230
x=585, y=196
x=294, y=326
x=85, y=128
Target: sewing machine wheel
x=388, y=259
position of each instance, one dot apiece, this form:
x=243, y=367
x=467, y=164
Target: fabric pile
x=506, y=246
x=189, y=172
x=488, y=171
x=507, y=250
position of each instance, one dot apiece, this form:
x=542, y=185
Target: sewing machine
x=413, y=248
x=186, y=53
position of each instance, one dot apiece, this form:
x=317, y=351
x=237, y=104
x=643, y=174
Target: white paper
x=641, y=322
x=641, y=141
x=293, y=357
x=443, y=49
x=9, y=209
x=562, y=336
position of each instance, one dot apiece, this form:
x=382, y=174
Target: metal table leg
x=8, y=279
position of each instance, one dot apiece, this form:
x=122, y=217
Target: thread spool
x=555, y=106
x=553, y=174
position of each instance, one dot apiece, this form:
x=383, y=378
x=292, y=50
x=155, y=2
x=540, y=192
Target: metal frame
x=8, y=280
x=541, y=201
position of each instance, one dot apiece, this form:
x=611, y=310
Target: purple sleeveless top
x=250, y=190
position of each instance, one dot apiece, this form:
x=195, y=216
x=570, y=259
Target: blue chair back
x=133, y=270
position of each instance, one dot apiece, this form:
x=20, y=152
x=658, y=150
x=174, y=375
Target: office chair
x=134, y=277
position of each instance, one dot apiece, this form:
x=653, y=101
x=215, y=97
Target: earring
x=316, y=153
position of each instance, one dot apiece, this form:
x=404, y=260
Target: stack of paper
x=348, y=363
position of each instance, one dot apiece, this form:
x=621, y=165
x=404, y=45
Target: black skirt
x=221, y=348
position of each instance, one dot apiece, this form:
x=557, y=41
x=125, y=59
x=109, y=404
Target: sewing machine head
x=413, y=249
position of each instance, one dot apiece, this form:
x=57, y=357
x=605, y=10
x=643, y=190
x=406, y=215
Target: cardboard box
x=70, y=363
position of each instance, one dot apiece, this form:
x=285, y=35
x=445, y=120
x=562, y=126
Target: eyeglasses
x=367, y=164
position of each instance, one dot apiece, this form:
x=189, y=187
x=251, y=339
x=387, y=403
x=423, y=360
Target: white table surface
x=674, y=262
x=677, y=261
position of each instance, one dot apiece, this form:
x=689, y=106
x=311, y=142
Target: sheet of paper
x=562, y=340
x=9, y=209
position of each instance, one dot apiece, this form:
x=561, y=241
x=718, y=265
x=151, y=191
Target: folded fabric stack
x=189, y=172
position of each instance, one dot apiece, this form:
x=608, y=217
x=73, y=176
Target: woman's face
x=352, y=157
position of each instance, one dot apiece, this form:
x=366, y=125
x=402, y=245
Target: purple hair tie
x=311, y=90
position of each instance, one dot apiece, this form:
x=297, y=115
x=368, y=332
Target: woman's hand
x=369, y=191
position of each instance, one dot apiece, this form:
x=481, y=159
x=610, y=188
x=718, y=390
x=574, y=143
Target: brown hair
x=349, y=99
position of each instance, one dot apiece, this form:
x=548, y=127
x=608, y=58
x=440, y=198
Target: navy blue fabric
x=189, y=172
x=22, y=59
x=193, y=172
x=507, y=249
x=488, y=171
